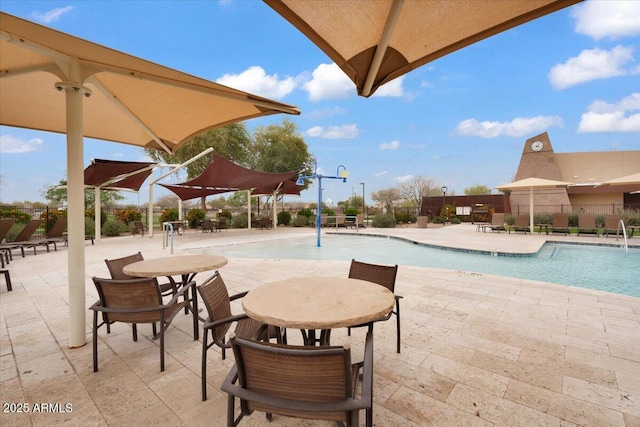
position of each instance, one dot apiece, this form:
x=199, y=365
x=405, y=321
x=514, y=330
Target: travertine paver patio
x=477, y=349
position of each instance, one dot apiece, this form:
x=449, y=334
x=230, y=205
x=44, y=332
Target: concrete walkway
x=476, y=349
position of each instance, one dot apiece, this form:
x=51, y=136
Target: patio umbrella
x=531, y=183
x=374, y=42
x=55, y=82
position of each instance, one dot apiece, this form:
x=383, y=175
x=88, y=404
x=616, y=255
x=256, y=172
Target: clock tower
x=539, y=160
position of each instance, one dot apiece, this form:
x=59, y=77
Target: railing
x=624, y=233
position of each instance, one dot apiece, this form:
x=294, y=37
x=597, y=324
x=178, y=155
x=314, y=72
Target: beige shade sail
x=634, y=178
x=374, y=42
x=531, y=184
x=56, y=82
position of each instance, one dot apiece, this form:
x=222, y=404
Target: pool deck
x=477, y=350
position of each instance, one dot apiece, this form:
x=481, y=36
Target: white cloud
x=404, y=178
x=334, y=132
x=328, y=81
x=255, y=80
x=592, y=64
x=51, y=16
x=12, y=145
x=607, y=19
x=517, y=127
x=391, y=89
x=605, y=117
x=381, y=173
x=325, y=112
x=393, y=145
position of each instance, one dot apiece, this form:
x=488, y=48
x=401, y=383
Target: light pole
x=444, y=193
x=339, y=175
x=364, y=205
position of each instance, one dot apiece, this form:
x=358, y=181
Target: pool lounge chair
x=521, y=224
x=23, y=239
x=5, y=226
x=560, y=223
x=612, y=225
x=56, y=234
x=587, y=224
x=497, y=222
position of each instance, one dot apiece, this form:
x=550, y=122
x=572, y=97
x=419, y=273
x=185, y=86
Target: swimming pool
x=585, y=266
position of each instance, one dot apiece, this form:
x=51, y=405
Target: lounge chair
x=56, y=233
x=7, y=278
x=207, y=225
x=5, y=226
x=611, y=224
x=316, y=383
x=340, y=221
x=560, y=223
x=221, y=223
x=23, y=241
x=587, y=224
x=521, y=224
x=497, y=222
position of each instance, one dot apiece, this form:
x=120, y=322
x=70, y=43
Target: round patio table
x=324, y=303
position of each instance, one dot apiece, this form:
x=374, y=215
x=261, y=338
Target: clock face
x=537, y=145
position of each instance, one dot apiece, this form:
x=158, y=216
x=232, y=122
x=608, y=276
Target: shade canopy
x=530, y=184
x=288, y=187
x=188, y=193
x=130, y=100
x=115, y=174
x=224, y=174
x=55, y=82
x=374, y=42
x=632, y=179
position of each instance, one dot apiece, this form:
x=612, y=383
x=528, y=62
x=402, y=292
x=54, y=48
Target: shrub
x=91, y=213
x=306, y=212
x=226, y=213
x=240, y=220
x=114, y=228
x=128, y=215
x=543, y=218
x=404, y=217
x=573, y=220
x=300, y=221
x=455, y=220
x=89, y=226
x=351, y=211
x=631, y=217
x=18, y=216
x=284, y=218
x=194, y=216
x=169, y=215
x=52, y=216
x=383, y=221
x=439, y=220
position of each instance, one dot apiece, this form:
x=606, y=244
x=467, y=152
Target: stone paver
x=476, y=349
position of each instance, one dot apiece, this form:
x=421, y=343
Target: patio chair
x=138, y=227
x=587, y=224
x=611, y=224
x=23, y=241
x=217, y=301
x=7, y=278
x=497, y=222
x=207, y=225
x=521, y=224
x=116, y=265
x=383, y=275
x=221, y=223
x=56, y=233
x=560, y=223
x=317, y=383
x=135, y=301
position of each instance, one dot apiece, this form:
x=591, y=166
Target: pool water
x=588, y=266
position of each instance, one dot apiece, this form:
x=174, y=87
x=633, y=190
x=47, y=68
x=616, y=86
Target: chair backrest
x=611, y=221
x=216, y=299
x=116, y=265
x=5, y=226
x=586, y=221
x=522, y=220
x=309, y=374
x=340, y=220
x=384, y=275
x=28, y=230
x=130, y=294
x=207, y=224
x=360, y=219
x=497, y=219
x=560, y=220
x=58, y=228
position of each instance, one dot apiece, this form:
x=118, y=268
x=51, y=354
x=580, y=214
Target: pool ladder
x=624, y=233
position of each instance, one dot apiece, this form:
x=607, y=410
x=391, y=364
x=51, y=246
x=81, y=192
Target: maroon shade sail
x=102, y=172
x=288, y=187
x=222, y=174
x=188, y=193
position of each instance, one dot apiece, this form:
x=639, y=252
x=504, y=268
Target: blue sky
x=461, y=120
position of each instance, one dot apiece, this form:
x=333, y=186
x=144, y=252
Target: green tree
x=387, y=197
x=55, y=195
x=233, y=142
x=238, y=199
x=279, y=148
x=477, y=190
